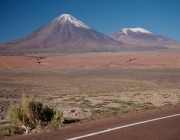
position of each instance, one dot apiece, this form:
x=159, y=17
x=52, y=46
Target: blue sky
x=19, y=18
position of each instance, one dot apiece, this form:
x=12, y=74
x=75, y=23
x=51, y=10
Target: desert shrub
x=57, y=117
x=32, y=109
x=32, y=114
x=18, y=117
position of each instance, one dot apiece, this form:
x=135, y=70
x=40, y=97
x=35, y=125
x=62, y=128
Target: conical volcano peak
x=64, y=17
x=63, y=33
x=67, y=18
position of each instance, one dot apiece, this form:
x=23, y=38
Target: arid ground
x=92, y=81
x=92, y=84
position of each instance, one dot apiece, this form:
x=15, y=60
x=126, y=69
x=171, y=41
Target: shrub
x=19, y=117
x=57, y=117
x=32, y=114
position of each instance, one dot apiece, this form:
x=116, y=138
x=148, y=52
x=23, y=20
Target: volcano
x=64, y=32
x=142, y=37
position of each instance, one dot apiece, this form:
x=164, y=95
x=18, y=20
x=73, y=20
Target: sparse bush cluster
x=32, y=114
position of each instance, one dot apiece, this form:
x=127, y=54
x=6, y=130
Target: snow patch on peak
x=136, y=30
x=68, y=18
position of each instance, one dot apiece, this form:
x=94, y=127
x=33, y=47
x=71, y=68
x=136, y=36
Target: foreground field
x=85, y=85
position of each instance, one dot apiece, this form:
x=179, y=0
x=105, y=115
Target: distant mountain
x=68, y=33
x=142, y=37
x=64, y=32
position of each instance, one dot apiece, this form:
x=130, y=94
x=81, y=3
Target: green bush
x=32, y=114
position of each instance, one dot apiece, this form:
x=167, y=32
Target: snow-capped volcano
x=68, y=33
x=64, y=18
x=64, y=32
x=142, y=37
x=135, y=30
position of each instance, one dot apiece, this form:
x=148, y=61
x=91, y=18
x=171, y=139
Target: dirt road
x=168, y=128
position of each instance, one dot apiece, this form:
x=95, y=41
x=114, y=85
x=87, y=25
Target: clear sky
x=18, y=18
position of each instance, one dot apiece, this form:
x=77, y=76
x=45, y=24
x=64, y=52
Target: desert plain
x=92, y=84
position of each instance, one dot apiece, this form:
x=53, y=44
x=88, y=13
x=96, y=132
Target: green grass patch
x=4, y=130
x=179, y=100
x=167, y=103
x=9, y=130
